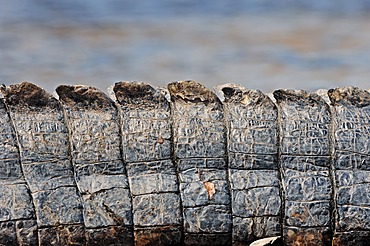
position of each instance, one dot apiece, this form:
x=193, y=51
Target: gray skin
x=183, y=166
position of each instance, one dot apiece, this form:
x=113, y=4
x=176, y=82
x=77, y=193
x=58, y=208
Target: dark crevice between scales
x=349, y=152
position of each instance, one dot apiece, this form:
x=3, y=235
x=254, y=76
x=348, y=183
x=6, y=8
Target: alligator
x=183, y=165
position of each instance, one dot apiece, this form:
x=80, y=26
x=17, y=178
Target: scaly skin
x=182, y=166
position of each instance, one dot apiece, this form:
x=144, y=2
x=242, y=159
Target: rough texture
x=99, y=170
x=305, y=167
x=180, y=167
x=146, y=140
x=17, y=212
x=351, y=132
x=253, y=168
x=200, y=150
x=45, y=159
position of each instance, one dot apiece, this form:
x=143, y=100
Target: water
x=262, y=44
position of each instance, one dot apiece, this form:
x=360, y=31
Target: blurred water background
x=261, y=44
